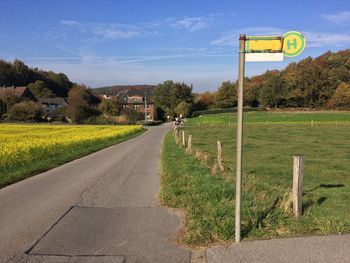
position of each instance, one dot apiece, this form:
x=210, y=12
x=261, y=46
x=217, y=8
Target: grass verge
x=207, y=200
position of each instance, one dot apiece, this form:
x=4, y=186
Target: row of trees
x=314, y=83
x=41, y=83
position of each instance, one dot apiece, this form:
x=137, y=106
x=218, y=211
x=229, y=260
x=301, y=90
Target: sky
x=127, y=42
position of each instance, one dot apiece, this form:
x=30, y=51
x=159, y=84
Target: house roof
x=17, y=90
x=136, y=91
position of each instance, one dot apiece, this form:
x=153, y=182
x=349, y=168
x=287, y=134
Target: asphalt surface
x=310, y=249
x=100, y=208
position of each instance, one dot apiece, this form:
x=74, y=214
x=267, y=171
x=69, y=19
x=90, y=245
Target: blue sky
x=104, y=42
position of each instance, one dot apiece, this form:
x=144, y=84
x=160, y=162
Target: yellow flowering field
x=27, y=145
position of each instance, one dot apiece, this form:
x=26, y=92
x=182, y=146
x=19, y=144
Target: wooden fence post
x=298, y=174
x=189, y=143
x=183, y=139
x=219, y=150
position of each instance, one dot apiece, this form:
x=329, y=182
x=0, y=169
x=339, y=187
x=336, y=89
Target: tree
x=226, y=96
x=168, y=95
x=341, y=97
x=78, y=104
x=26, y=111
x=40, y=89
x=271, y=92
x=183, y=108
x=204, y=101
x=2, y=108
x=109, y=107
x=8, y=98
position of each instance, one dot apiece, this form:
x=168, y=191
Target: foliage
x=40, y=89
x=168, y=95
x=183, y=108
x=341, y=97
x=308, y=83
x=204, y=101
x=80, y=104
x=109, y=107
x=26, y=111
x=2, y=108
x=270, y=93
x=19, y=74
x=26, y=149
x=59, y=114
x=8, y=98
x=226, y=96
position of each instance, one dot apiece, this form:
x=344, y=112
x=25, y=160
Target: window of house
x=136, y=107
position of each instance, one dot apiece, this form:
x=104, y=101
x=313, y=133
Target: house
x=138, y=99
x=52, y=104
x=133, y=97
x=22, y=93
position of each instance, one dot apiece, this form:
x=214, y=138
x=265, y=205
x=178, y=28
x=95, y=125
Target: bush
x=26, y=111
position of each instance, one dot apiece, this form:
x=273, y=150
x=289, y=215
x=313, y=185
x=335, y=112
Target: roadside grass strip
x=29, y=149
x=208, y=197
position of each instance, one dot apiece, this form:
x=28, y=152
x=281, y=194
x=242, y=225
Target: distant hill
x=125, y=90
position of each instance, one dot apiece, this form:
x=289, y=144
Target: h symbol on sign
x=290, y=44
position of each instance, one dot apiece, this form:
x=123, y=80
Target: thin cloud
x=125, y=59
x=105, y=30
x=190, y=24
x=196, y=23
x=320, y=39
x=339, y=18
x=70, y=23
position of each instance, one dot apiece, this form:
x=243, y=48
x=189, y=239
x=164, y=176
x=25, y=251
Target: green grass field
x=270, y=141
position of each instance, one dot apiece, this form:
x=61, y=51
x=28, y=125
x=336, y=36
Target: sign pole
x=242, y=40
x=145, y=110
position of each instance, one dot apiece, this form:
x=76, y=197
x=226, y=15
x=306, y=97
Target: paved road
x=310, y=249
x=100, y=208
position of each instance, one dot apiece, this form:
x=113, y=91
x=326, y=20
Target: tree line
x=323, y=82
x=43, y=84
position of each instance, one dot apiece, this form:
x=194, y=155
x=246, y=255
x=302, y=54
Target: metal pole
x=242, y=39
x=145, y=110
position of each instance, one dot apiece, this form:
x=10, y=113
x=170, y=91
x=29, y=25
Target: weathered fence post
x=183, y=139
x=189, y=143
x=219, y=150
x=298, y=173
